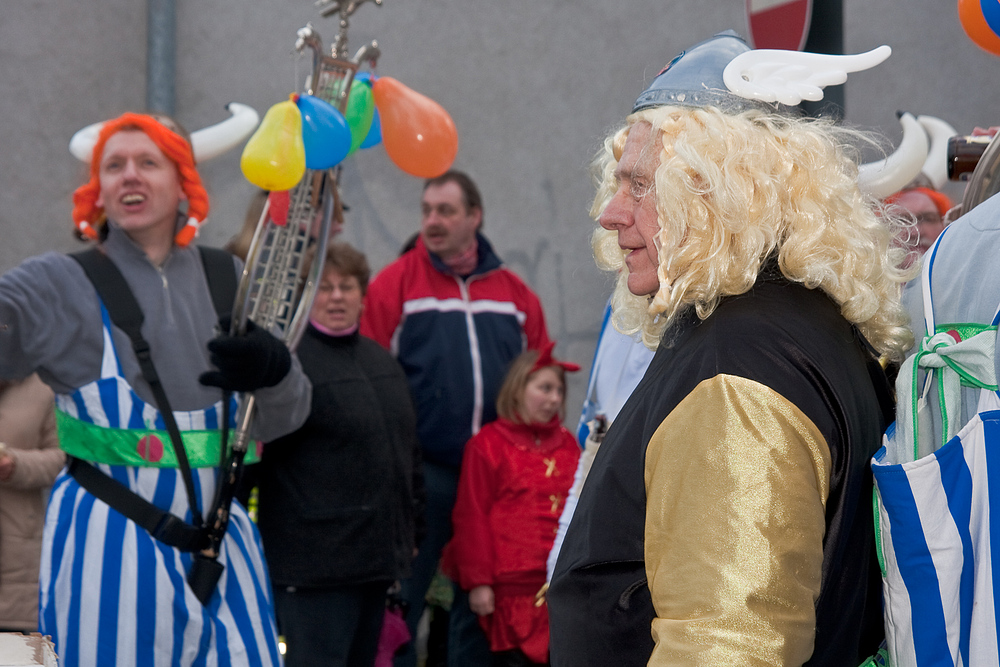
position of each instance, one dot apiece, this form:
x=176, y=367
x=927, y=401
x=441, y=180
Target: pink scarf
x=333, y=332
x=464, y=263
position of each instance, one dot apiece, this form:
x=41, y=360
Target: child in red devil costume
x=516, y=473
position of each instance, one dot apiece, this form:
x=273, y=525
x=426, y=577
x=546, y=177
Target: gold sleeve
x=737, y=479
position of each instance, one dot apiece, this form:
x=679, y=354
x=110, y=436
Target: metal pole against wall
x=161, y=55
x=826, y=35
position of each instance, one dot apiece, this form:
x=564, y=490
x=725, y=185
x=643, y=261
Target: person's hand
x=986, y=132
x=246, y=363
x=6, y=466
x=481, y=600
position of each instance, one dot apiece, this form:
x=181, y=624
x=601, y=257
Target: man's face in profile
x=632, y=210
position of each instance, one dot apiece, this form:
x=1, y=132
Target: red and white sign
x=779, y=24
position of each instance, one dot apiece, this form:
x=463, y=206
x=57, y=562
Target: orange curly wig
x=942, y=202
x=85, y=209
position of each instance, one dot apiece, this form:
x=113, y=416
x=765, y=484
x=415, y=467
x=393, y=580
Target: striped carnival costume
x=937, y=474
x=149, y=605
x=112, y=593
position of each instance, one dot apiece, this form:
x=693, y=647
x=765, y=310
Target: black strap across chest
x=125, y=313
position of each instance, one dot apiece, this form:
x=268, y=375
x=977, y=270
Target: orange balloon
x=418, y=134
x=970, y=13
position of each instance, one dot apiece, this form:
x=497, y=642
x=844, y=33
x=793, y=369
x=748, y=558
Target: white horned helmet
x=205, y=144
x=724, y=72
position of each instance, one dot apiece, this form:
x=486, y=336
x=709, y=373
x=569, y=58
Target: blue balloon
x=374, y=136
x=325, y=133
x=991, y=12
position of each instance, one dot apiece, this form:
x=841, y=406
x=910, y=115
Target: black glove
x=248, y=362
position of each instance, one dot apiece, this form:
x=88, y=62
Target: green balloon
x=360, y=111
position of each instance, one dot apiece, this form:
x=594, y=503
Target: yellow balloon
x=275, y=158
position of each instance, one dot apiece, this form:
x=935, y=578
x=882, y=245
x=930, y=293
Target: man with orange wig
x=727, y=517
x=140, y=411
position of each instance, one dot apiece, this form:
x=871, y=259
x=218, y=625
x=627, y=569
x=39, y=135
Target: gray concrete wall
x=532, y=86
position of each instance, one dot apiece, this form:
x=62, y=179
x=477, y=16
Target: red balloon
x=970, y=13
x=278, y=203
x=418, y=134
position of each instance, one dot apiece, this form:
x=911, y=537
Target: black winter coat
x=339, y=497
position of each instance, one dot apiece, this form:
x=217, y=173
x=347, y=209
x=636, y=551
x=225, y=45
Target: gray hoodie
x=50, y=323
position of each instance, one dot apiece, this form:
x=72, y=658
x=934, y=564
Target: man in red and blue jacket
x=455, y=318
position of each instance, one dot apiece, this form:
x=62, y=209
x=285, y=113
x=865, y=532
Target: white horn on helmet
x=936, y=165
x=885, y=177
x=206, y=143
x=82, y=143
x=214, y=140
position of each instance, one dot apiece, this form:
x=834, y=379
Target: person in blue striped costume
x=111, y=593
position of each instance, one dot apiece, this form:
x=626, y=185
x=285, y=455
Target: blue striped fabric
x=110, y=594
x=938, y=517
x=939, y=504
x=107, y=401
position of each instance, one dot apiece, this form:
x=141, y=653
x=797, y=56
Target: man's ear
x=478, y=213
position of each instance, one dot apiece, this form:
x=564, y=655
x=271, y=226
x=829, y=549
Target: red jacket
x=513, y=486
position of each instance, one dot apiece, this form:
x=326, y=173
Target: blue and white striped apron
x=938, y=509
x=110, y=594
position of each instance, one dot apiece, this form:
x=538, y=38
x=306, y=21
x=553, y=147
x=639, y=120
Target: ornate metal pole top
x=344, y=8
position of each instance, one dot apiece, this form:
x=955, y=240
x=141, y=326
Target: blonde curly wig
x=733, y=190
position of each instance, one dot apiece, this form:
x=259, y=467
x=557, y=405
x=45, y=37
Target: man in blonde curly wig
x=727, y=518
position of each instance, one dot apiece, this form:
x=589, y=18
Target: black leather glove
x=248, y=362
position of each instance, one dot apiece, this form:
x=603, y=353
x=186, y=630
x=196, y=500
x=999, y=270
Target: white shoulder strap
x=925, y=284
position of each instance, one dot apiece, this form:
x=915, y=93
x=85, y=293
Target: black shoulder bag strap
x=125, y=313
x=203, y=577
x=221, y=274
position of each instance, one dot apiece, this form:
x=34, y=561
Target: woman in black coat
x=339, y=498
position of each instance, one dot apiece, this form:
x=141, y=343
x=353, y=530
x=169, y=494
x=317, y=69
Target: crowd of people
x=713, y=508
